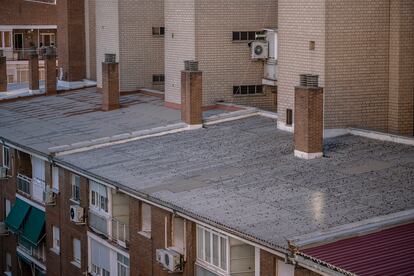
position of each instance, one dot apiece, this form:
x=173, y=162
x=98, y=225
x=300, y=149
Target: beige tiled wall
x=299, y=23
x=401, y=93
x=107, y=33
x=203, y=30
x=141, y=53
x=357, y=48
x=179, y=44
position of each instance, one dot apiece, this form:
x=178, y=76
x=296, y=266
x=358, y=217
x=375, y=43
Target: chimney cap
x=191, y=65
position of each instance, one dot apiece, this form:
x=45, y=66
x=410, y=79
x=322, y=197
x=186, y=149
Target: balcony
x=31, y=188
x=112, y=228
x=37, y=253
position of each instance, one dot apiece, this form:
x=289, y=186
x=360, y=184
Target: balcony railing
x=120, y=231
x=32, y=188
x=98, y=222
x=38, y=253
x=23, y=54
x=110, y=227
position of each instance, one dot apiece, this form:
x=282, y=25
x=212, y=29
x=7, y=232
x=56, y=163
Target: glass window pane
x=207, y=249
x=215, y=250
x=223, y=253
x=1, y=39
x=200, y=238
x=244, y=36
x=7, y=40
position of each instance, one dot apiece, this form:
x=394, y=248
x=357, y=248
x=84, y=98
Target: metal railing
x=110, y=227
x=38, y=253
x=120, y=231
x=98, y=223
x=34, y=189
x=24, y=53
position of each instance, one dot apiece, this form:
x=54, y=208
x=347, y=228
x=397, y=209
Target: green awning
x=17, y=215
x=34, y=227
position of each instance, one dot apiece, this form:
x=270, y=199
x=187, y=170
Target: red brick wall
x=143, y=249
x=20, y=12
x=8, y=191
x=59, y=216
x=267, y=264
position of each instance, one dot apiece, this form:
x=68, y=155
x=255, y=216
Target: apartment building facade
x=134, y=31
x=217, y=35
x=362, y=52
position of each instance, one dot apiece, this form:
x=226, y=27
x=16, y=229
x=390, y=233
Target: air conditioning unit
x=50, y=196
x=3, y=229
x=77, y=214
x=3, y=172
x=260, y=49
x=170, y=260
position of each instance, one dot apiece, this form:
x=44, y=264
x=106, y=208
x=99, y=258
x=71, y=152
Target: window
x=5, y=39
x=212, y=248
x=98, y=196
x=77, y=251
x=312, y=45
x=44, y=1
x=158, y=79
x=6, y=157
x=56, y=239
x=100, y=258
x=178, y=238
x=123, y=265
x=98, y=271
x=7, y=207
x=158, y=31
x=47, y=39
x=247, y=90
x=8, y=262
x=145, y=219
x=55, y=178
x=75, y=187
x=246, y=36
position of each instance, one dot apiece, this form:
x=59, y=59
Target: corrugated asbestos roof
x=243, y=175
x=384, y=253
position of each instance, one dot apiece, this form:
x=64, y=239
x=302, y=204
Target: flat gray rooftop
x=243, y=175
x=42, y=123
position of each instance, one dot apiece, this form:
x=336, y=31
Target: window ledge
x=145, y=234
x=55, y=250
x=74, y=201
x=78, y=265
x=249, y=95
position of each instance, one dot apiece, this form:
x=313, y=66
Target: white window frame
x=52, y=39
x=9, y=265
x=77, y=251
x=56, y=239
x=179, y=234
x=202, y=261
x=120, y=264
x=55, y=178
x=99, y=201
x=3, y=41
x=7, y=207
x=42, y=2
x=75, y=187
x=145, y=216
x=5, y=148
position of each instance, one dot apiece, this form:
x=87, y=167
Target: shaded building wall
x=20, y=12
x=300, y=22
x=141, y=52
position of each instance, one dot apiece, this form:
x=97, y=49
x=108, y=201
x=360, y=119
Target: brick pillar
x=33, y=72
x=308, y=119
x=71, y=39
x=50, y=71
x=191, y=94
x=3, y=72
x=110, y=83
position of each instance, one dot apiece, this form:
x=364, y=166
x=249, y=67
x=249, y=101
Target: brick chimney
x=308, y=118
x=50, y=71
x=191, y=94
x=33, y=72
x=110, y=83
x=3, y=72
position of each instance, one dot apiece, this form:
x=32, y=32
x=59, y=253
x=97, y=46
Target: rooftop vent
x=110, y=58
x=191, y=65
x=308, y=80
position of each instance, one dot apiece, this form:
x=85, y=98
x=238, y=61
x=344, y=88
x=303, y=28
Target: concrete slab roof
x=42, y=123
x=243, y=175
